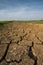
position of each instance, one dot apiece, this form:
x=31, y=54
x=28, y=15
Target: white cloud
x=21, y=13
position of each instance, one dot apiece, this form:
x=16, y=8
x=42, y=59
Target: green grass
x=37, y=21
x=2, y=23
x=32, y=21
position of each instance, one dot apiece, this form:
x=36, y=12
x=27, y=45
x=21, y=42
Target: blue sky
x=21, y=9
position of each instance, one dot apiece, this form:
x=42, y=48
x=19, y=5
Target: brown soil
x=21, y=44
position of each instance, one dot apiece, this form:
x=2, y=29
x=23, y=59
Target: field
x=21, y=43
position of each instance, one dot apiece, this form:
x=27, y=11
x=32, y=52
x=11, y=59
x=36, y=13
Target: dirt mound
x=21, y=44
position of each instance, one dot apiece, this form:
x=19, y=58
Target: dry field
x=21, y=44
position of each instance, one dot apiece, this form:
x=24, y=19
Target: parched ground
x=21, y=44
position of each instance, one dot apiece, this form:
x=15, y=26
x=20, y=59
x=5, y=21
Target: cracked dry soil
x=21, y=44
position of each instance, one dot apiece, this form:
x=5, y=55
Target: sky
x=21, y=9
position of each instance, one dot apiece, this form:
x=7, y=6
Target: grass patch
x=2, y=23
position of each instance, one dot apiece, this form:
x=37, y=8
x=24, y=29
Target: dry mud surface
x=21, y=44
